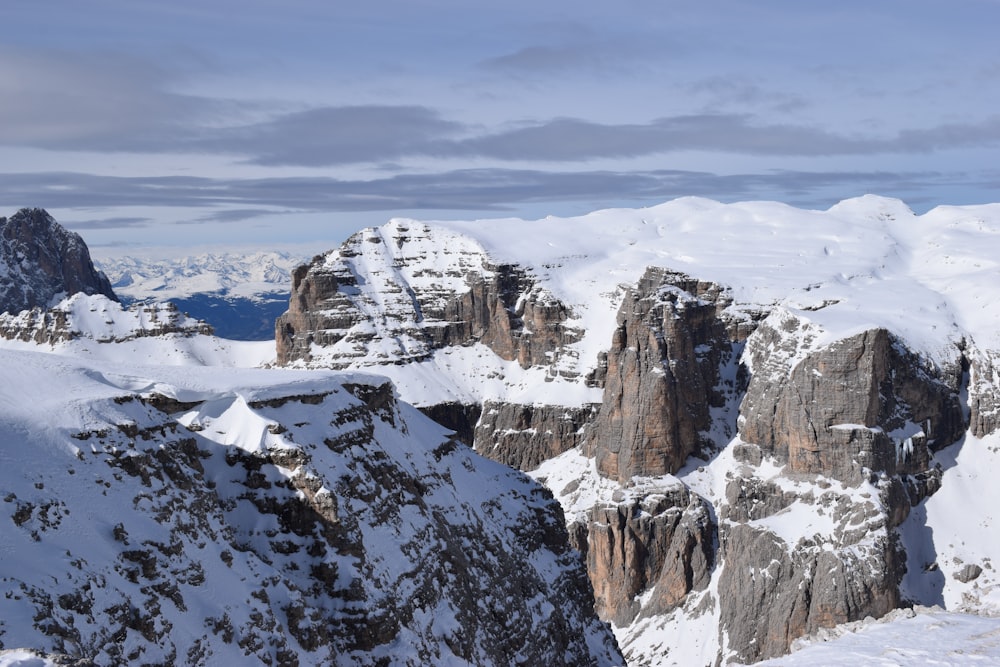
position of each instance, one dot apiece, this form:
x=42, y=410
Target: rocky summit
x=751, y=414
x=41, y=262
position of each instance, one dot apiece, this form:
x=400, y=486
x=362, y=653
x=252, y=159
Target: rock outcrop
x=99, y=319
x=663, y=541
x=984, y=391
x=664, y=376
x=42, y=262
x=769, y=596
x=745, y=448
x=522, y=436
x=394, y=295
x=862, y=402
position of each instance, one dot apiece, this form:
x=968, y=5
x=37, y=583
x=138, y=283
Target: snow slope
x=170, y=514
x=931, y=279
x=97, y=328
x=929, y=637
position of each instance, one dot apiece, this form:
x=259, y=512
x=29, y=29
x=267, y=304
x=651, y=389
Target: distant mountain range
x=239, y=294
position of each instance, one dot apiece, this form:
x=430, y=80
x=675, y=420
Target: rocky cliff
x=41, y=262
x=168, y=505
x=394, y=294
x=666, y=369
x=745, y=410
x=276, y=518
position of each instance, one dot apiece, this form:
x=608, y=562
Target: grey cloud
x=105, y=102
x=345, y=135
x=569, y=139
x=336, y=135
x=546, y=60
x=93, y=101
x=234, y=215
x=109, y=223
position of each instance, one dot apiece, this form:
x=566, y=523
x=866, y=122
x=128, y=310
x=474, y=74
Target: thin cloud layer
x=497, y=190
x=214, y=113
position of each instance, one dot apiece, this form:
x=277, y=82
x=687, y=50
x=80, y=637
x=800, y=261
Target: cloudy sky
x=265, y=121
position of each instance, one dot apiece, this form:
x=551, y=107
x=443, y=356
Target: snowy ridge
x=863, y=262
x=98, y=328
x=867, y=262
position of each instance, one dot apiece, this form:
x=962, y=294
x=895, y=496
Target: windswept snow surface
x=953, y=534
x=930, y=637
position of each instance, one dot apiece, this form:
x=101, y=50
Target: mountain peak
x=41, y=261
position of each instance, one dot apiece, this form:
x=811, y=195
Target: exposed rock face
x=984, y=392
x=41, y=261
x=461, y=418
x=770, y=597
x=522, y=436
x=393, y=295
x=664, y=541
x=338, y=527
x=796, y=524
x=860, y=402
x=663, y=376
x=511, y=315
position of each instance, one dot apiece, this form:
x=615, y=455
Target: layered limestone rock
x=773, y=590
x=984, y=391
x=664, y=376
x=861, y=402
x=770, y=597
x=394, y=295
x=795, y=527
x=41, y=262
x=336, y=527
x=663, y=541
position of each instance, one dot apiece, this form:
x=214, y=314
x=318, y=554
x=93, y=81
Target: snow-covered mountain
x=761, y=421
x=758, y=425
x=239, y=294
x=143, y=277
x=171, y=502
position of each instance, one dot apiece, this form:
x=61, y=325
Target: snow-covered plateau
x=751, y=433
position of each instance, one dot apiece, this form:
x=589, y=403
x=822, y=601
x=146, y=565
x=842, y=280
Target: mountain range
x=743, y=429
x=238, y=294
